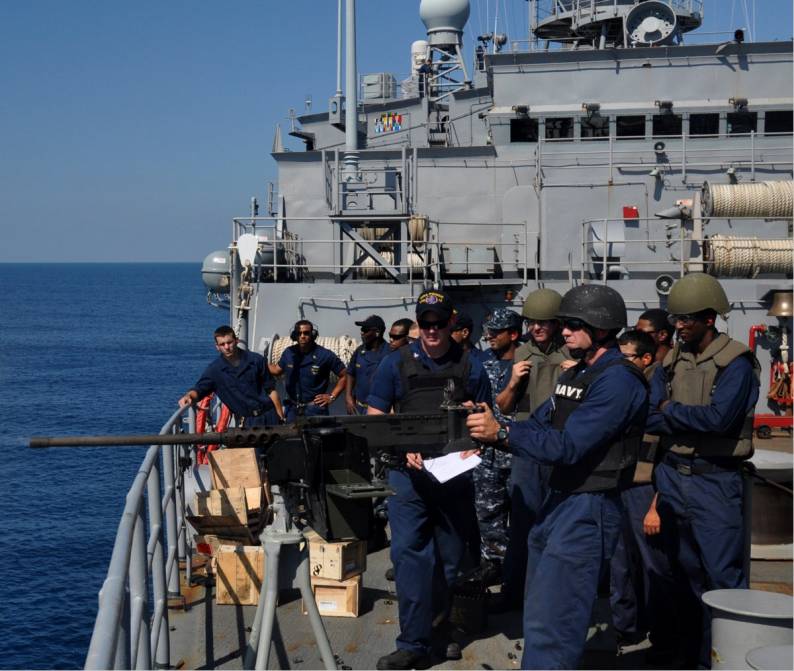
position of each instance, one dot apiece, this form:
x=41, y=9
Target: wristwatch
x=332, y=397
x=502, y=434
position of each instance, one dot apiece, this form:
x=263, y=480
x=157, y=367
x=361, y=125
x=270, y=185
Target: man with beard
x=702, y=403
x=589, y=432
x=491, y=477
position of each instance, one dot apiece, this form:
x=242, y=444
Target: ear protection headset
x=294, y=335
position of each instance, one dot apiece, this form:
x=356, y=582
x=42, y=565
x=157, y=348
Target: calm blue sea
x=86, y=348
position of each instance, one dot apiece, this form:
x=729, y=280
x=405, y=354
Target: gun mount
x=322, y=466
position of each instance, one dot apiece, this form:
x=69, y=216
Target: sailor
x=655, y=323
x=363, y=364
x=242, y=381
x=536, y=367
x=462, y=330
x=425, y=71
x=491, y=477
x=589, y=432
x=432, y=525
x=398, y=333
x=702, y=403
x=641, y=581
x=308, y=367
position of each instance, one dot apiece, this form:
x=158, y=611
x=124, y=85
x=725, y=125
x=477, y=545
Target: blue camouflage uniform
x=245, y=388
x=699, y=480
x=580, y=519
x=433, y=525
x=491, y=477
x=307, y=375
x=362, y=367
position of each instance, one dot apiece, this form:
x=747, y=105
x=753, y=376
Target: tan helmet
x=542, y=305
x=697, y=292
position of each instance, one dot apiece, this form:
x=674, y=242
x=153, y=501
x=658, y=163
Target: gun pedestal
x=277, y=538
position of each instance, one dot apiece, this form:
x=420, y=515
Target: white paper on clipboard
x=450, y=466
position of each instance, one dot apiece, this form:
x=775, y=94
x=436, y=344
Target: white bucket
x=744, y=619
x=771, y=657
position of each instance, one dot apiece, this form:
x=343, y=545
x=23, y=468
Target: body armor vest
x=542, y=378
x=423, y=389
x=691, y=380
x=649, y=450
x=612, y=465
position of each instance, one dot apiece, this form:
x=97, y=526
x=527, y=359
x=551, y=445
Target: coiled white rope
x=734, y=256
x=756, y=199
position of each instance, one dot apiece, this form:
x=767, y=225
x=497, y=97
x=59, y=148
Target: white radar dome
x=444, y=15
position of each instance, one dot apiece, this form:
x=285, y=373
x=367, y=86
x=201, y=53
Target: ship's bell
x=782, y=304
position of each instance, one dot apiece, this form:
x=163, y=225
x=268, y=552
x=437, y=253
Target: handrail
x=129, y=632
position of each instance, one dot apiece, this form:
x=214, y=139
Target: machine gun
x=322, y=466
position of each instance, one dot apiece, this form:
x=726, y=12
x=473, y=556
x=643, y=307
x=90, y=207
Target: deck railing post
x=162, y=647
x=121, y=657
x=169, y=482
x=139, y=612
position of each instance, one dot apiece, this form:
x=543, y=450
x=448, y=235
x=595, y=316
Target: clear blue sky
x=134, y=131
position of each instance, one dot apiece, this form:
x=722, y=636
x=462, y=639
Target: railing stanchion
x=170, y=515
x=139, y=613
x=121, y=657
x=162, y=656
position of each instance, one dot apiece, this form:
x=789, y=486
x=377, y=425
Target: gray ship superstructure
x=609, y=147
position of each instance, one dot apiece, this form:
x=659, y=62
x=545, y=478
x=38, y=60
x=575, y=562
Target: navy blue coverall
x=701, y=514
x=361, y=368
x=306, y=375
x=576, y=532
x=432, y=525
x=244, y=388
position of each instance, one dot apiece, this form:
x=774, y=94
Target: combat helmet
x=541, y=305
x=697, y=292
x=597, y=305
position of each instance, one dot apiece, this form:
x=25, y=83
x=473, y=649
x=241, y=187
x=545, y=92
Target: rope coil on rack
x=734, y=256
x=343, y=346
x=756, y=199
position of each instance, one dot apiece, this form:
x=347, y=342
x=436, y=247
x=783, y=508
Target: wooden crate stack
x=228, y=519
x=336, y=569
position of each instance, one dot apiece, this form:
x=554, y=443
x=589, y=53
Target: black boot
x=404, y=659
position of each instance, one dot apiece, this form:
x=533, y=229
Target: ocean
x=86, y=348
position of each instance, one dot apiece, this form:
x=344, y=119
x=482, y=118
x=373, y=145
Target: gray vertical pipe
x=339, y=47
x=167, y=453
x=351, y=91
x=268, y=614
x=162, y=658
x=121, y=657
x=139, y=594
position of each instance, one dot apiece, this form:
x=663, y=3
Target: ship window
x=523, y=130
x=778, y=122
x=595, y=126
x=630, y=126
x=742, y=122
x=667, y=124
x=704, y=124
x=559, y=128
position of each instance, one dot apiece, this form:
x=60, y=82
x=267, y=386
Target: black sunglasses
x=688, y=320
x=441, y=324
x=573, y=324
x=364, y=329
x=397, y=336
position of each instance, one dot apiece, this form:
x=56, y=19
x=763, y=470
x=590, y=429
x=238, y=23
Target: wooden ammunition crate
x=239, y=575
x=336, y=598
x=235, y=467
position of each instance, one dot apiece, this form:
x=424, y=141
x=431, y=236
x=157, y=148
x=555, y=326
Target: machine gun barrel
x=437, y=433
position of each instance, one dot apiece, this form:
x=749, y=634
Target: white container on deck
x=770, y=657
x=745, y=619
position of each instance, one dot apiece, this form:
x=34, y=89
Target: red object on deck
x=767, y=419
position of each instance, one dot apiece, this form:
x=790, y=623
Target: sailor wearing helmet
x=589, y=432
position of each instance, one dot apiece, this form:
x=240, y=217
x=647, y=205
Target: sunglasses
x=397, y=336
x=686, y=320
x=306, y=333
x=573, y=324
x=441, y=324
x=367, y=330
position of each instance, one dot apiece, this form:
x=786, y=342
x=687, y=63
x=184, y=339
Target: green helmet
x=697, y=292
x=542, y=305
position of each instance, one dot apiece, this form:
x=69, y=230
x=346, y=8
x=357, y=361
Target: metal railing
x=404, y=258
x=129, y=631
x=683, y=240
